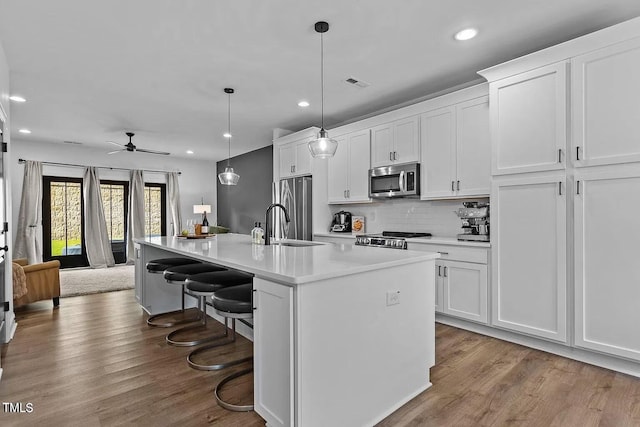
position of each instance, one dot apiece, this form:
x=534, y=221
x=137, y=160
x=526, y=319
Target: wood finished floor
x=95, y=362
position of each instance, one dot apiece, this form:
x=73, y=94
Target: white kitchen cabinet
x=295, y=159
x=273, y=362
x=464, y=290
x=396, y=142
x=605, y=124
x=456, y=146
x=607, y=254
x=139, y=270
x=348, y=177
x=439, y=287
x=528, y=234
x=529, y=120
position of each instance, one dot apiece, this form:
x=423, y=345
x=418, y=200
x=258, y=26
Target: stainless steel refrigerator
x=295, y=195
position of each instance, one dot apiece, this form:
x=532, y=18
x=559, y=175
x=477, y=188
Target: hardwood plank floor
x=95, y=362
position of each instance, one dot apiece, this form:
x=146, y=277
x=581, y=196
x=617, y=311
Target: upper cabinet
x=605, y=125
x=348, y=177
x=456, y=143
x=292, y=156
x=396, y=142
x=529, y=120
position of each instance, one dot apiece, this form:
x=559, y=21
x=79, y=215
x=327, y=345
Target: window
x=115, y=196
x=63, y=221
x=155, y=209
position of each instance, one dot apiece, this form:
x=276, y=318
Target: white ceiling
x=92, y=70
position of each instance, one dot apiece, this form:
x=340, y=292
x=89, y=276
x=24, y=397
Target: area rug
x=84, y=281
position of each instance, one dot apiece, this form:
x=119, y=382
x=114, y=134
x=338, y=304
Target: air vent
x=356, y=82
x=73, y=142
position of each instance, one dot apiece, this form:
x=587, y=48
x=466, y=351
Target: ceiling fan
x=130, y=147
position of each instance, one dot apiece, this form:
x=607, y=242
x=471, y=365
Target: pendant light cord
x=322, y=78
x=229, y=128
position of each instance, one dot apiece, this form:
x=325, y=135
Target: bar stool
x=204, y=285
x=236, y=303
x=158, y=266
x=178, y=275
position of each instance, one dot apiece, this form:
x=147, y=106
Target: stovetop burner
x=388, y=239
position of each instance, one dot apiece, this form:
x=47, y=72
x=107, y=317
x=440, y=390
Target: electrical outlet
x=393, y=297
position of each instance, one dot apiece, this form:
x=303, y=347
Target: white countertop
x=290, y=265
x=425, y=240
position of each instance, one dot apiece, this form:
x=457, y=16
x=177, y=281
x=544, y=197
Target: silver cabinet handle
x=395, y=156
x=439, y=274
x=344, y=193
x=443, y=253
x=445, y=272
x=577, y=187
x=390, y=155
x=452, y=185
x=348, y=194
x=578, y=152
x=559, y=188
x=458, y=185
x=294, y=168
x=559, y=155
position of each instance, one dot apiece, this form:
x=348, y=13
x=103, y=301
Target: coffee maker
x=475, y=221
x=341, y=222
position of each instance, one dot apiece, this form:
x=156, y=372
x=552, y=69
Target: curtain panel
x=135, y=219
x=28, y=242
x=96, y=235
x=173, y=190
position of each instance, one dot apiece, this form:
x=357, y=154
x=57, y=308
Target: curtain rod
x=99, y=167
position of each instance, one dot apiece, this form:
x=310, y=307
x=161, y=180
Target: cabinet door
x=381, y=145
x=607, y=271
x=358, y=170
x=606, y=128
x=139, y=271
x=406, y=140
x=473, y=148
x=438, y=153
x=273, y=348
x=528, y=121
x=465, y=290
x=302, y=165
x=287, y=156
x=337, y=176
x=528, y=244
x=439, y=288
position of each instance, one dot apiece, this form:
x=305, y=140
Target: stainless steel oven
x=395, y=181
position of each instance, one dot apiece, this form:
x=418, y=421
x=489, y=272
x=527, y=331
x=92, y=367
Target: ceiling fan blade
x=142, y=150
x=115, y=152
x=114, y=143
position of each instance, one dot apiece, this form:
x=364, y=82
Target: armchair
x=42, y=280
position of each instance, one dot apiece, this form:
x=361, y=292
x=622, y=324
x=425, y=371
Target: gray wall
x=240, y=206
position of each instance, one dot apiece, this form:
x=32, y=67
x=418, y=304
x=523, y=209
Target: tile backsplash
x=436, y=217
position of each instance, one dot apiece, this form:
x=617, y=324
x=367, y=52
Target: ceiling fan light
x=228, y=177
x=323, y=147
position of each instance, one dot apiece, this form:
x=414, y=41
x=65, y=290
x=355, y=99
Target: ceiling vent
x=355, y=82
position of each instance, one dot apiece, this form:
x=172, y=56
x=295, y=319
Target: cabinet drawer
x=454, y=253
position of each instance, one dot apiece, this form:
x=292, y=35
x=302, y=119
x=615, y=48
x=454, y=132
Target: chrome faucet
x=267, y=230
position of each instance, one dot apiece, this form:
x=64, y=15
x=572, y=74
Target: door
x=302, y=165
x=381, y=145
x=606, y=129
x=473, y=148
x=287, y=155
x=528, y=247
x=607, y=272
x=406, y=140
x=529, y=121
x=438, y=153
x=465, y=290
x=338, y=168
x=358, y=168
x=63, y=221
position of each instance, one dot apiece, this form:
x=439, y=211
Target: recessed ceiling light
x=466, y=34
x=24, y=131
x=189, y=151
x=303, y=104
x=17, y=98
x=226, y=135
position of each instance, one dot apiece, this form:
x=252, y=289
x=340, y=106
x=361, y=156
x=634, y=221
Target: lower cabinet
x=139, y=271
x=463, y=290
x=273, y=363
x=528, y=234
x=607, y=268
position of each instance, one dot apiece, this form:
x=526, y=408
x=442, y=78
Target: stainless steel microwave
x=395, y=181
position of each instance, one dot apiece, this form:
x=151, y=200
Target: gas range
x=388, y=239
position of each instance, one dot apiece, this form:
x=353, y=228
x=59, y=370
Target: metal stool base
x=172, y=340
x=217, y=366
x=226, y=405
x=152, y=320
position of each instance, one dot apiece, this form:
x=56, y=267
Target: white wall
x=197, y=181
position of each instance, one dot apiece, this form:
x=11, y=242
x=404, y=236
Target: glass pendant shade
x=323, y=147
x=228, y=177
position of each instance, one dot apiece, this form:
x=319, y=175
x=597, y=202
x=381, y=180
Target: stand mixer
x=475, y=221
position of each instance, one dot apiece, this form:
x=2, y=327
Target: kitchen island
x=343, y=335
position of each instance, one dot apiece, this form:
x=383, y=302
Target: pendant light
x=228, y=177
x=322, y=147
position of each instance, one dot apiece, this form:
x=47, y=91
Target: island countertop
x=287, y=264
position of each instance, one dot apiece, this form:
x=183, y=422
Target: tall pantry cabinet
x=564, y=227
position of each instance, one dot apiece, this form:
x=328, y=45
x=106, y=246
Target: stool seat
x=180, y=273
x=161, y=264
x=234, y=299
x=214, y=281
